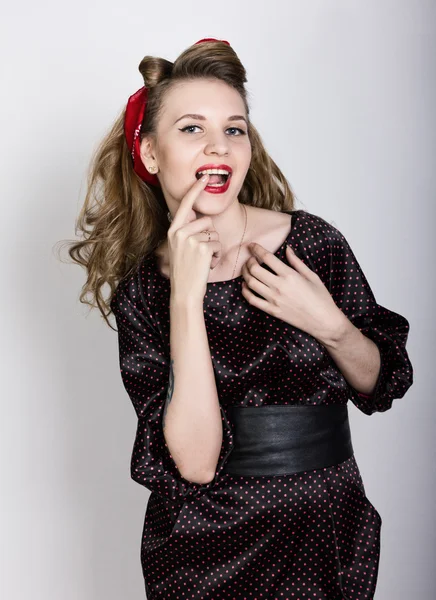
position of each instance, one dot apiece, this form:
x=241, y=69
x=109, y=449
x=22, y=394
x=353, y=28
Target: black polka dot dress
x=309, y=535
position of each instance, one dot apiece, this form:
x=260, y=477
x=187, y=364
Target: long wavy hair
x=123, y=218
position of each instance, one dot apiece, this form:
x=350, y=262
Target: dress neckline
x=294, y=213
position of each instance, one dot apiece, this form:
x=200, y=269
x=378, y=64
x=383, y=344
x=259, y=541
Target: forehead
x=208, y=97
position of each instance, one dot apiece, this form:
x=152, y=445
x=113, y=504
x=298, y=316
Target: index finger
x=184, y=210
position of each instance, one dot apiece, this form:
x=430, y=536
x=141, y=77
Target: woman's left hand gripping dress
x=145, y=366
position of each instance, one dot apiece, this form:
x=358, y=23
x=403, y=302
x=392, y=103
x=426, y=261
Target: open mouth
x=216, y=179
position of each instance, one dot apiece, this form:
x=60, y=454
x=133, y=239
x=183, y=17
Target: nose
x=217, y=143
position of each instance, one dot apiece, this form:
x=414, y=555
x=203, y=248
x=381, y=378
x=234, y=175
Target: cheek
x=244, y=161
x=186, y=162
x=245, y=156
x=176, y=167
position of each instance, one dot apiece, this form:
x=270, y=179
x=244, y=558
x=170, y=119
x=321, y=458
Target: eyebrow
x=202, y=118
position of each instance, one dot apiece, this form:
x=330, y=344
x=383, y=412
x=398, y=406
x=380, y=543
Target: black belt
x=284, y=439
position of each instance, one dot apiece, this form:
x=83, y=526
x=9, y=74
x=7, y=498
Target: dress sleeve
x=388, y=329
x=144, y=366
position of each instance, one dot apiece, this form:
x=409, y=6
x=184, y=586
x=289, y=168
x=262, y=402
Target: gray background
x=342, y=93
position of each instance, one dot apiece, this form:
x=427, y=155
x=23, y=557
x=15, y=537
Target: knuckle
x=178, y=235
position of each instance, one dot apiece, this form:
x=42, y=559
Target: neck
x=230, y=226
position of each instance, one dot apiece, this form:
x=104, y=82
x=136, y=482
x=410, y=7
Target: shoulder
x=129, y=292
x=314, y=231
x=269, y=225
x=318, y=243
x=318, y=225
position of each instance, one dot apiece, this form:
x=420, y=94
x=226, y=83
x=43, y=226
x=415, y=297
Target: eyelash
x=237, y=128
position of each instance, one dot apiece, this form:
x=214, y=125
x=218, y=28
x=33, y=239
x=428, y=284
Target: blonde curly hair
x=123, y=218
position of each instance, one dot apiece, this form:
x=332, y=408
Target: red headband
x=134, y=116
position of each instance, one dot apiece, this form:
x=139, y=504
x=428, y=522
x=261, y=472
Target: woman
x=239, y=359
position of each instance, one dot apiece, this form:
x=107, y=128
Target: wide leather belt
x=285, y=439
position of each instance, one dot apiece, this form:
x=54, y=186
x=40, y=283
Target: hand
x=191, y=254
x=295, y=294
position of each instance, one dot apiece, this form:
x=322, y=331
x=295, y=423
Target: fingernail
x=205, y=177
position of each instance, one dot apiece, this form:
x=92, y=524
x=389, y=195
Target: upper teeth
x=214, y=172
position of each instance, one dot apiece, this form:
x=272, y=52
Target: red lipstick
x=212, y=189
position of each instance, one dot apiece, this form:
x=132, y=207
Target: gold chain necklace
x=242, y=239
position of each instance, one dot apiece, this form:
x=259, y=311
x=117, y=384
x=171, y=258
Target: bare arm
x=192, y=419
x=357, y=357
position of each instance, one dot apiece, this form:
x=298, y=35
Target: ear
x=147, y=151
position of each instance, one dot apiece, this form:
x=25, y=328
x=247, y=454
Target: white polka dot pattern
x=310, y=535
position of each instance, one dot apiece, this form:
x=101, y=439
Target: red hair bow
x=135, y=110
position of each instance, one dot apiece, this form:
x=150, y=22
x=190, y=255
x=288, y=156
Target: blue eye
x=241, y=131
x=188, y=127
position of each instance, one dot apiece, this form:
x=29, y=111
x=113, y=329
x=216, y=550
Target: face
x=212, y=137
